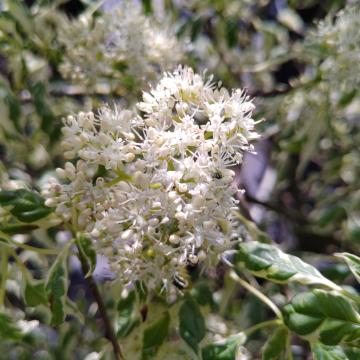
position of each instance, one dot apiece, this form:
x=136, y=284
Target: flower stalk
x=257, y=293
x=109, y=330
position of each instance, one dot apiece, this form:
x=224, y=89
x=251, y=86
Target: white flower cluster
x=123, y=45
x=341, y=36
x=154, y=192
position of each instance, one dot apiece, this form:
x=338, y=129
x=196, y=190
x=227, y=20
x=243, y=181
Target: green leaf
x=141, y=291
x=224, y=349
x=203, y=294
x=14, y=109
x=39, y=94
x=147, y=6
x=275, y=345
x=154, y=336
x=87, y=251
x=347, y=97
x=33, y=215
x=56, y=288
x=332, y=214
x=196, y=27
x=8, y=330
x=352, y=353
x=323, y=352
x=323, y=315
x=8, y=27
x=22, y=15
x=314, y=131
x=12, y=229
x=72, y=309
x=192, y=324
x=127, y=319
x=25, y=205
x=269, y=262
x=35, y=293
x=336, y=272
x=353, y=263
x=231, y=31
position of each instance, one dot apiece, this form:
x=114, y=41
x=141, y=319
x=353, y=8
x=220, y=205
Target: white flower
x=93, y=356
x=26, y=326
x=123, y=45
x=155, y=193
x=340, y=35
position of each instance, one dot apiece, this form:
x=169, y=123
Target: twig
x=109, y=331
x=257, y=293
x=259, y=326
x=279, y=208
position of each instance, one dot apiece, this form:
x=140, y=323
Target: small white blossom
x=169, y=204
x=26, y=326
x=340, y=37
x=123, y=45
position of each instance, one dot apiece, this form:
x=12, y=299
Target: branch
x=109, y=331
x=278, y=208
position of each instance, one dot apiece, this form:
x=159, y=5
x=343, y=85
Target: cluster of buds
x=155, y=192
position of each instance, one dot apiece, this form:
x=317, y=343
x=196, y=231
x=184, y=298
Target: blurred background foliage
x=297, y=59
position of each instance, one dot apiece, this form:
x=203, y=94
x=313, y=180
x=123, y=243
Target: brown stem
x=109, y=331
